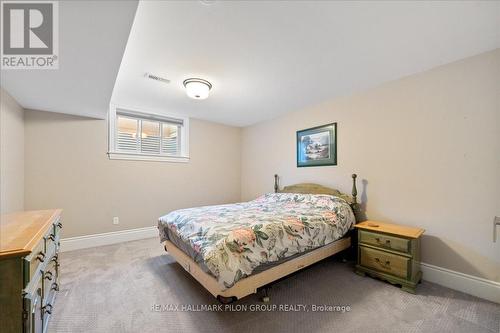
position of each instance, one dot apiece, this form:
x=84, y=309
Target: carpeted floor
x=116, y=288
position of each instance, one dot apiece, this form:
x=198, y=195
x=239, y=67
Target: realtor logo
x=29, y=35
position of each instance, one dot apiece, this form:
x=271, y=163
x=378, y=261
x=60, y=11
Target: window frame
x=115, y=154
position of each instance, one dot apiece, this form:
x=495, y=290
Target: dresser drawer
x=50, y=277
x=385, y=241
x=57, y=226
x=384, y=261
x=50, y=287
x=32, y=307
x=51, y=244
x=33, y=263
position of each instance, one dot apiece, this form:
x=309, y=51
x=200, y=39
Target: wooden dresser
x=29, y=267
x=390, y=252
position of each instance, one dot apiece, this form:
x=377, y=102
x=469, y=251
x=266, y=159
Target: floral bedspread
x=234, y=239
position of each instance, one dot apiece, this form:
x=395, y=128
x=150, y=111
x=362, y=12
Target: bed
x=232, y=250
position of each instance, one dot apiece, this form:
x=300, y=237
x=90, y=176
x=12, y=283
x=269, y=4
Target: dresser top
x=20, y=232
x=389, y=228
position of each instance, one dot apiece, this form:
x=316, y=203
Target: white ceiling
x=92, y=38
x=263, y=58
x=268, y=58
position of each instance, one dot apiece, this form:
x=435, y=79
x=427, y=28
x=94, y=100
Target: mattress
x=187, y=249
x=234, y=241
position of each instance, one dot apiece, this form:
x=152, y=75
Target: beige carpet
x=114, y=288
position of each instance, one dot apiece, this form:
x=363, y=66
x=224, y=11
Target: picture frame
x=317, y=146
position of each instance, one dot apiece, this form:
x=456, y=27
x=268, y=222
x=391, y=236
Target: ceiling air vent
x=156, y=78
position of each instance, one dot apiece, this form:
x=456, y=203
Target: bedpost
x=354, y=190
x=276, y=188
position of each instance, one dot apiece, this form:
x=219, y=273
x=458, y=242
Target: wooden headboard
x=311, y=188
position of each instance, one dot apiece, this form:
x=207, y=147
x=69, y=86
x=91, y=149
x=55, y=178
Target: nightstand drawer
x=384, y=261
x=385, y=241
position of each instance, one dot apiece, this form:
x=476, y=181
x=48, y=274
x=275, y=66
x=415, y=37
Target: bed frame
x=250, y=284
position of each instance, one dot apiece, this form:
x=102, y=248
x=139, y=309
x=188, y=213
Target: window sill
x=153, y=158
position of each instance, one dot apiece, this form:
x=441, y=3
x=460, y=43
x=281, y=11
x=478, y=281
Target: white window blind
x=148, y=135
x=170, y=139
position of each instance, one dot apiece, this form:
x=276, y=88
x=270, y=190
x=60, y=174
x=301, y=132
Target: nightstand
x=390, y=252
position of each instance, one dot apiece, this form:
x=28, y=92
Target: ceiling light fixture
x=197, y=88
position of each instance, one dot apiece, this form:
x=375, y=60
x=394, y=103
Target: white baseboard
x=468, y=284
x=87, y=241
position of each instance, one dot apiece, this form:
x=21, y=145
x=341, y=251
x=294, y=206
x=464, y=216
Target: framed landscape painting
x=317, y=146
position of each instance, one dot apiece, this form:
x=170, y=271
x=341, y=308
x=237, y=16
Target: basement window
x=135, y=135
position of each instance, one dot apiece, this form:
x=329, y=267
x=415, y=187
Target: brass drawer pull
x=47, y=308
x=387, y=262
x=387, y=241
x=48, y=276
x=55, y=259
x=41, y=256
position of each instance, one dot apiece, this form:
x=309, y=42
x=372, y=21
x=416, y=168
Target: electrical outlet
x=116, y=220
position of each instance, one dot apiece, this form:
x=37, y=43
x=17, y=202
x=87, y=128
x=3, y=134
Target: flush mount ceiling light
x=197, y=88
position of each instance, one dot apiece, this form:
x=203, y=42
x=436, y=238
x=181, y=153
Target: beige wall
x=426, y=149
x=11, y=154
x=67, y=167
